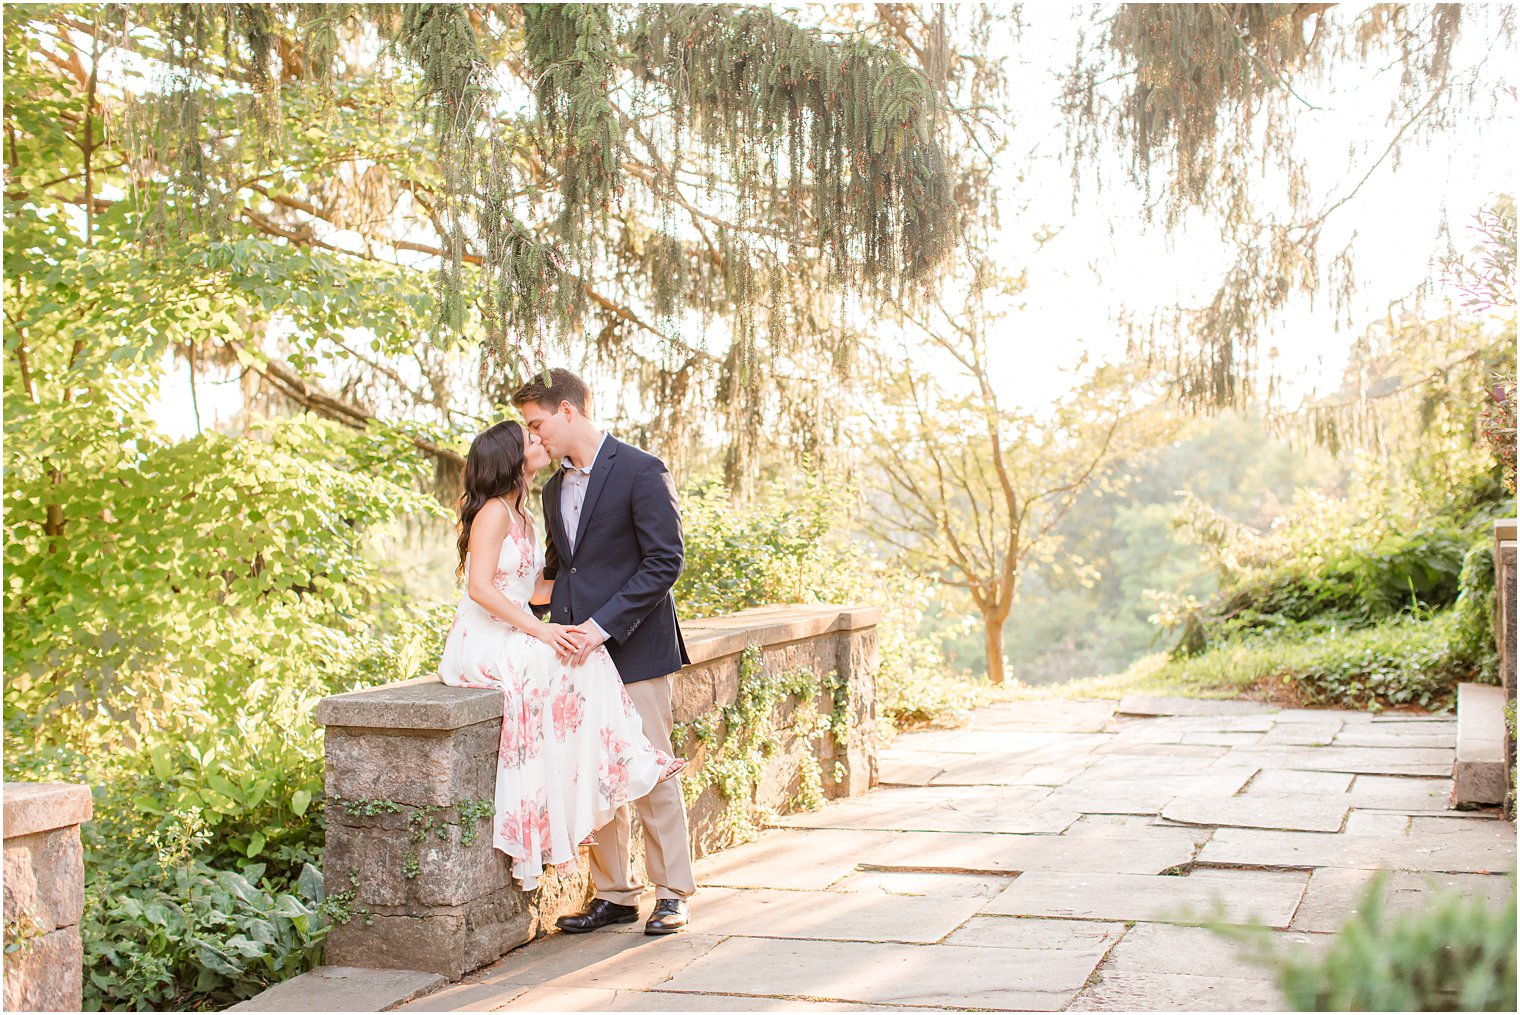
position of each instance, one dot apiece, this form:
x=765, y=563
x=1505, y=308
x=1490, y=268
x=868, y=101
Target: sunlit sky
x=1106, y=260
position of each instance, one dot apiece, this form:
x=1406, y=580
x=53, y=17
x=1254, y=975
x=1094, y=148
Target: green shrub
x=1401, y=661
x=1476, y=612
x=182, y=934
x=1457, y=954
x=783, y=547
x=1357, y=583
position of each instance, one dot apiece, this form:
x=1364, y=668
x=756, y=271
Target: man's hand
x=588, y=638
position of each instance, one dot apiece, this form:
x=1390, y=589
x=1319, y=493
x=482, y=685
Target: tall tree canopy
x=690, y=190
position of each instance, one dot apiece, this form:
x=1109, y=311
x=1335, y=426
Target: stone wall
x=411, y=766
x=1504, y=630
x=44, y=895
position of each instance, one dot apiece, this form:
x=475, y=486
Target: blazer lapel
x=552, y=515
x=599, y=472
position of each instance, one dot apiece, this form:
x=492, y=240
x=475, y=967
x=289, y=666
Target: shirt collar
x=568, y=466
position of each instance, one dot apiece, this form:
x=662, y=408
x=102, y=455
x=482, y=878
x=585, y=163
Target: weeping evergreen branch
x=1205, y=99
x=818, y=153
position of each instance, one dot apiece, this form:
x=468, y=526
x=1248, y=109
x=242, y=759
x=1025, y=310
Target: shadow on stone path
x=1043, y=859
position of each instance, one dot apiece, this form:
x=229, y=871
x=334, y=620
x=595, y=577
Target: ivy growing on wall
x=741, y=737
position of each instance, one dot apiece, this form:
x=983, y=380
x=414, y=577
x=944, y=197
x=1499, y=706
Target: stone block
x=40, y=806
x=44, y=973
x=44, y=878
x=692, y=693
x=450, y=941
x=425, y=704
x=419, y=770
x=1479, y=773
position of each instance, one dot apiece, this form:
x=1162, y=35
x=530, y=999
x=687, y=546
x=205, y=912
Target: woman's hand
x=559, y=637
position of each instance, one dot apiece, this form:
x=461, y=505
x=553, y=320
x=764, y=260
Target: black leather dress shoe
x=668, y=917
x=599, y=914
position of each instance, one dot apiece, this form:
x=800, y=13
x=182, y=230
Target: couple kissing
x=578, y=631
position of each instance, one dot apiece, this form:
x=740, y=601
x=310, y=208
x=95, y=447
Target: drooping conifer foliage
x=1208, y=102
x=831, y=148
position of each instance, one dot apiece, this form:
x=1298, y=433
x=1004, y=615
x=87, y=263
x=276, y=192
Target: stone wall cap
x=425, y=703
x=715, y=637
x=32, y=807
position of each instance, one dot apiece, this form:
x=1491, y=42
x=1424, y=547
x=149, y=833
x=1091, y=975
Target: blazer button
x=572, y=570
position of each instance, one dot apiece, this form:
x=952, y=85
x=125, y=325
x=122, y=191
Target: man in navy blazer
x=614, y=552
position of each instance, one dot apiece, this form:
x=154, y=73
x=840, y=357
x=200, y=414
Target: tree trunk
x=992, y=625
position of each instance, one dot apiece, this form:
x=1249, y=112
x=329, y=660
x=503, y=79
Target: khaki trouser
x=667, y=847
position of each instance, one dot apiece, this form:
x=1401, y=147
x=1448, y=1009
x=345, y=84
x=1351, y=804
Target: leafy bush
x=1458, y=954
x=167, y=936
x=1401, y=661
x=1357, y=583
x=783, y=548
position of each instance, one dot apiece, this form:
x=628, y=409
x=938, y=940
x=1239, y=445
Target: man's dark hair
x=563, y=386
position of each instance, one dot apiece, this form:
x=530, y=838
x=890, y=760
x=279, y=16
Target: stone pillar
x=411, y=767
x=44, y=895
x=410, y=775
x=1504, y=624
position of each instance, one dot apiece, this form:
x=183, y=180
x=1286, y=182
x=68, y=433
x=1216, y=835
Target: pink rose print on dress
x=614, y=781
x=569, y=712
x=509, y=832
x=630, y=711
x=615, y=744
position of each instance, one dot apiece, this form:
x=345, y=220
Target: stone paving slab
x=1388, y=824
x=600, y=959
x=956, y=886
x=1148, y=850
x=826, y=916
x=1320, y=733
x=941, y=809
x=790, y=858
x=1300, y=813
x=944, y=975
x=1269, y=897
x=1028, y=746
x=1143, y=705
x=1213, y=738
x=1199, y=951
x=1375, y=736
x=1172, y=747
x=994, y=771
x=1140, y=796
x=1277, y=782
x=1370, y=760
x=1402, y=794
x=1189, y=773
x=343, y=988
x=1075, y=716
x=1335, y=894
x=1453, y=853
x=1036, y=933
x=1174, y=992
x=598, y=1000
x=899, y=770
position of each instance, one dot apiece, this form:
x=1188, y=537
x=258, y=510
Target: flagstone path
x=1047, y=857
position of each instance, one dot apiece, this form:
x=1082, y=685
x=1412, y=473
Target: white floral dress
x=572, y=744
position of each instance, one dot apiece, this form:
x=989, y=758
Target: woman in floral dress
x=572, y=745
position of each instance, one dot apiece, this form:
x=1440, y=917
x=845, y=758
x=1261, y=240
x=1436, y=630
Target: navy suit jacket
x=628, y=554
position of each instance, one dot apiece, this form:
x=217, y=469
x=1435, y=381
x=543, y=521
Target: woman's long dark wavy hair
x=493, y=468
